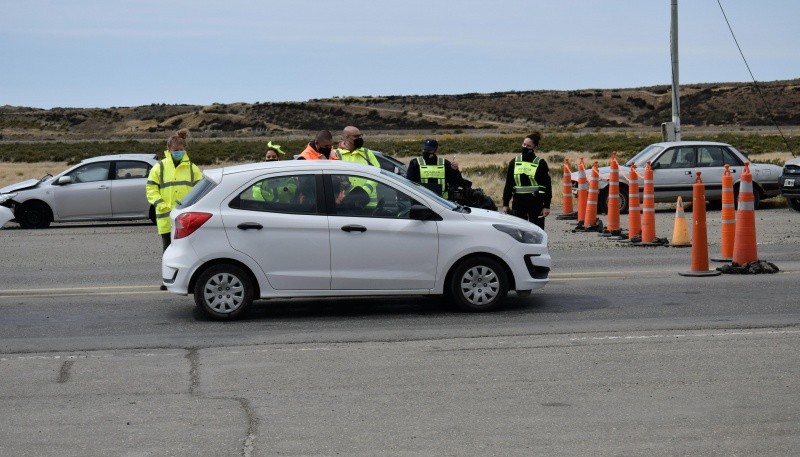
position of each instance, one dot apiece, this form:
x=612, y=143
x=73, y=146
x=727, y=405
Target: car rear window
x=198, y=191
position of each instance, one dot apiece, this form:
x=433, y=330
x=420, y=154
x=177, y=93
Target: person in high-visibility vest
x=434, y=172
x=528, y=184
x=280, y=190
x=169, y=181
x=321, y=148
x=351, y=149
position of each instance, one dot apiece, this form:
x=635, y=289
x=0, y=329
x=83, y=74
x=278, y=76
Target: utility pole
x=676, y=102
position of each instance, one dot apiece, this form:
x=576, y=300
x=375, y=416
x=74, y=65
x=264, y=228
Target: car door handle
x=103, y=186
x=249, y=225
x=354, y=228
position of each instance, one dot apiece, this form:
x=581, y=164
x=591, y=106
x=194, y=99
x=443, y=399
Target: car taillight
x=187, y=223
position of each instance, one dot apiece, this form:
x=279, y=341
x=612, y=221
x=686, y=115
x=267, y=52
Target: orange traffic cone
x=744, y=245
x=583, y=192
x=699, y=232
x=613, y=228
x=680, y=231
x=728, y=217
x=634, y=210
x=567, y=212
x=648, y=208
x=590, y=221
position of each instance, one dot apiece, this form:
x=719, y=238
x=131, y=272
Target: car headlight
x=521, y=235
x=6, y=197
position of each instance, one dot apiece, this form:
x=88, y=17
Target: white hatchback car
x=332, y=228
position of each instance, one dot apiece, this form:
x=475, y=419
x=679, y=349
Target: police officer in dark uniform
x=528, y=184
x=433, y=172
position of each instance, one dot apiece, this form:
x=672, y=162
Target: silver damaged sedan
x=104, y=188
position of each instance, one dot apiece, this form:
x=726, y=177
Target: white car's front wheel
x=223, y=291
x=478, y=284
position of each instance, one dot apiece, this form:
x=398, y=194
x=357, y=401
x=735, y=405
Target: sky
x=114, y=53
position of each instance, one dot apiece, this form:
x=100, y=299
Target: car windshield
x=446, y=203
x=641, y=158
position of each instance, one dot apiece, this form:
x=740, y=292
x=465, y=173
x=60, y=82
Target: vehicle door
x=378, y=247
x=128, y=198
x=673, y=173
x=711, y=164
x=87, y=196
x=277, y=221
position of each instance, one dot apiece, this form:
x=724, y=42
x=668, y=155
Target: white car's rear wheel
x=478, y=284
x=223, y=291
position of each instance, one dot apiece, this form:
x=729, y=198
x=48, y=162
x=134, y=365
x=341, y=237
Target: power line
x=755, y=84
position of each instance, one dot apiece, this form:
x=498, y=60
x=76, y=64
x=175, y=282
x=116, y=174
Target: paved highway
x=618, y=355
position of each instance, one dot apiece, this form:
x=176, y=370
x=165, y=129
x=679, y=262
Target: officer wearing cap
x=435, y=173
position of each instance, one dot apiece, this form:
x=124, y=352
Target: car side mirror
x=423, y=213
x=655, y=165
x=64, y=180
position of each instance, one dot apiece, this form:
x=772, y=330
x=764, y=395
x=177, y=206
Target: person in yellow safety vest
x=169, y=181
x=352, y=149
x=528, y=183
x=280, y=190
x=435, y=173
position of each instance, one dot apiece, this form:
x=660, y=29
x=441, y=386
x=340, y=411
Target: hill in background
x=732, y=105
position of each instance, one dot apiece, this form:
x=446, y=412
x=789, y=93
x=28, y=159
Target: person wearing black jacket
x=528, y=184
x=436, y=174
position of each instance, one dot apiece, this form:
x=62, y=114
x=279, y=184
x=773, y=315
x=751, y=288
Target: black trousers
x=529, y=208
x=166, y=239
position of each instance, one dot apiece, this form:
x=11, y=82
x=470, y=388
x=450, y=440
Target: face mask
x=270, y=159
x=427, y=155
x=324, y=151
x=358, y=142
x=527, y=151
x=178, y=155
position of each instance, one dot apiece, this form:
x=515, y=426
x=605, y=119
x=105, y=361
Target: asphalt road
x=618, y=355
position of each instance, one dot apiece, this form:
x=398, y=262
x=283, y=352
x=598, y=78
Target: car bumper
x=6, y=215
x=531, y=270
x=175, y=273
x=790, y=186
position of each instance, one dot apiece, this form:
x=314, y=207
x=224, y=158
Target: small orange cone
x=634, y=210
x=745, y=248
x=567, y=212
x=699, y=232
x=680, y=231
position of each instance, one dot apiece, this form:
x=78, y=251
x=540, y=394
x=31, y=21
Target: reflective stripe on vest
x=528, y=169
x=436, y=172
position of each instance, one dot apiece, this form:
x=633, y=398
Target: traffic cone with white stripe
x=634, y=210
x=680, y=231
x=583, y=193
x=648, y=207
x=699, y=232
x=745, y=248
x=728, y=216
x=567, y=212
x=591, y=222
x=613, y=228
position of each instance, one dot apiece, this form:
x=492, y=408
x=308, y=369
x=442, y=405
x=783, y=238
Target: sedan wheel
x=223, y=291
x=35, y=215
x=478, y=284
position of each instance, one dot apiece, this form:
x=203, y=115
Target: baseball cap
x=430, y=145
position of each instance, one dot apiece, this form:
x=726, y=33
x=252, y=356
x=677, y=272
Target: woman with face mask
x=528, y=184
x=169, y=181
